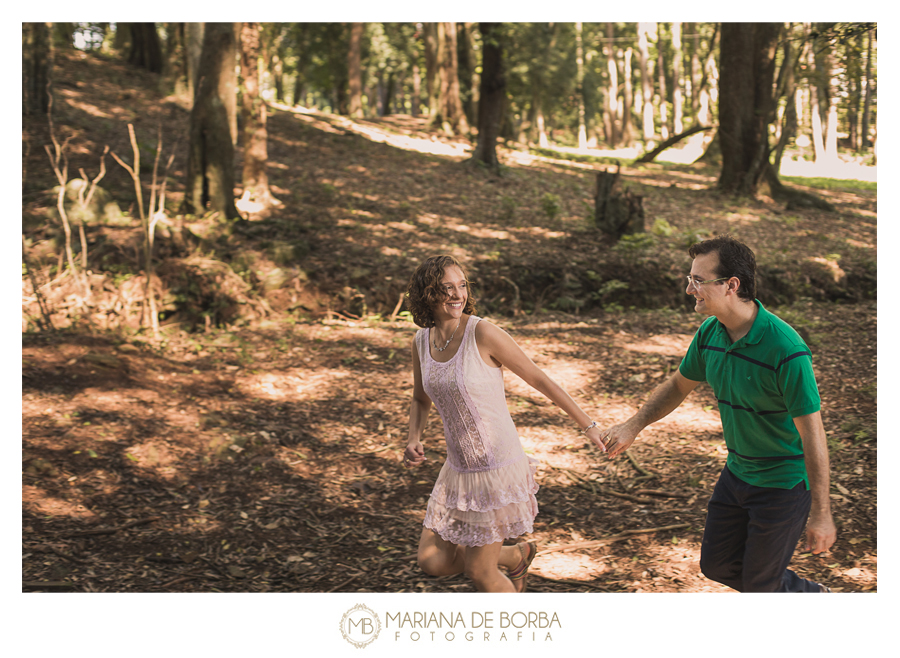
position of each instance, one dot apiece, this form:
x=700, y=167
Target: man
x=777, y=469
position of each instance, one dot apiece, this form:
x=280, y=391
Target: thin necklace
x=441, y=349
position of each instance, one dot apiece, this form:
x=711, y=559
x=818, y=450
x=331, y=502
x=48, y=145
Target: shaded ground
x=263, y=454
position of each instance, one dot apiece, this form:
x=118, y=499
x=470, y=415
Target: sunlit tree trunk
x=432, y=88
x=677, y=103
x=355, y=70
x=612, y=93
x=193, y=47
x=867, y=102
x=814, y=104
x=416, y=90
x=454, y=115
x=210, y=173
x=696, y=74
x=663, y=95
x=646, y=81
x=579, y=85
x=628, y=100
x=253, y=118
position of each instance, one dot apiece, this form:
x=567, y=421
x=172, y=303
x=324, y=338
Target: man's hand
x=820, y=533
x=618, y=438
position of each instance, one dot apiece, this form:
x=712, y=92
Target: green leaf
x=131, y=457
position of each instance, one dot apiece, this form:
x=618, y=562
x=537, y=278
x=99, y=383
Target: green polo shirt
x=762, y=382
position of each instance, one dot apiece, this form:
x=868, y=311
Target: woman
x=485, y=492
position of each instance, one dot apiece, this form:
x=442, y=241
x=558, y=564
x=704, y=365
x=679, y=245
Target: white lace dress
x=486, y=489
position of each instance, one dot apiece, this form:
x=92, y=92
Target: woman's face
x=453, y=284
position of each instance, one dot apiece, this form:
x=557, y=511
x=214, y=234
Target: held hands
x=594, y=435
x=414, y=455
x=617, y=439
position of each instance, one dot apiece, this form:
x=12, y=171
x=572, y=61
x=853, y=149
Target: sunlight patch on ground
x=432, y=146
x=667, y=344
x=36, y=499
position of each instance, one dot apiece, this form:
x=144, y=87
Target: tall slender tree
x=253, y=119
x=354, y=70
x=646, y=81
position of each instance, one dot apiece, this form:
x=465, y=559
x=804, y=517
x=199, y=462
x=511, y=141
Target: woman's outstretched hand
x=414, y=455
x=594, y=435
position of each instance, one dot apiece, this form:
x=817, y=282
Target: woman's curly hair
x=425, y=291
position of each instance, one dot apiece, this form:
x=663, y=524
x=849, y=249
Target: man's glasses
x=696, y=283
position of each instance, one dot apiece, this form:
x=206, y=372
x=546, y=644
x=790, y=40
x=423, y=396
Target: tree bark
x=646, y=82
x=210, y=178
x=253, y=118
x=677, y=101
x=627, y=100
x=579, y=85
x=492, y=96
x=355, y=70
x=193, y=47
x=867, y=103
x=612, y=94
x=663, y=95
x=745, y=103
x=37, y=58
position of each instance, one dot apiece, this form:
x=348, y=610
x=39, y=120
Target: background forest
x=219, y=220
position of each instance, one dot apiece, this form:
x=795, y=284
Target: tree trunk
x=145, y=50
x=677, y=102
x=745, y=103
x=579, y=85
x=612, y=93
x=432, y=85
x=696, y=74
x=193, y=47
x=646, y=81
x=416, y=90
x=867, y=103
x=663, y=95
x=355, y=70
x=616, y=213
x=37, y=60
x=787, y=87
x=492, y=96
x=454, y=115
x=253, y=118
x=210, y=179
x=628, y=100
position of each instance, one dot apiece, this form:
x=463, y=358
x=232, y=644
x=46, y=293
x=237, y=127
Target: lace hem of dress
x=482, y=491
x=478, y=528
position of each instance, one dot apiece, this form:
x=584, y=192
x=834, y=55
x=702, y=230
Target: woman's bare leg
x=438, y=557
x=481, y=567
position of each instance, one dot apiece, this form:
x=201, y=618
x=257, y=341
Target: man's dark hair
x=735, y=260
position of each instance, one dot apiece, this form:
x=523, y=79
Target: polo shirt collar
x=760, y=324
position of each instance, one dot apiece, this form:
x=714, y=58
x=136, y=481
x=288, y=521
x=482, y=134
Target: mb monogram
x=360, y=626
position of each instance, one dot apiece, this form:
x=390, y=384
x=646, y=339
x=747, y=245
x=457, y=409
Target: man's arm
x=663, y=401
x=820, y=530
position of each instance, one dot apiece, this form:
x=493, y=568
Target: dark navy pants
x=750, y=537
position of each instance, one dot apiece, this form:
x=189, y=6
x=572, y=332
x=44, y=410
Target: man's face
x=709, y=297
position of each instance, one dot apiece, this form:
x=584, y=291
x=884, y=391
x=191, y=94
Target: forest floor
x=264, y=454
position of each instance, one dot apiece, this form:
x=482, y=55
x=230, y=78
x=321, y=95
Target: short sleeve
x=797, y=382
x=693, y=365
